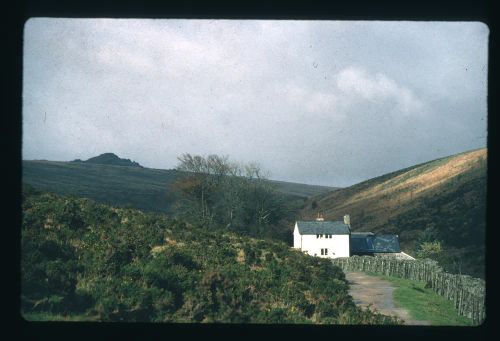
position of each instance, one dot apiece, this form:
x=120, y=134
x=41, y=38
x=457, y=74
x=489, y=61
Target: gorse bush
x=87, y=259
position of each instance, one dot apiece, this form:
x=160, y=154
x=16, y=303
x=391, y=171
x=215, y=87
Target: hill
x=441, y=200
x=110, y=159
x=125, y=186
x=91, y=261
x=301, y=190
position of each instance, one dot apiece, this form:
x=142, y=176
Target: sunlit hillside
x=444, y=199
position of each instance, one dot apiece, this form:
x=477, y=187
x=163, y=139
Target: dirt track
x=367, y=290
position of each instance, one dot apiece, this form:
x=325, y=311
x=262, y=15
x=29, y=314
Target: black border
x=478, y=10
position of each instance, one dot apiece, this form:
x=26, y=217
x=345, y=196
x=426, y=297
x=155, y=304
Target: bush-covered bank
x=88, y=259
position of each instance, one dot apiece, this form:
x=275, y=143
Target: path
x=367, y=289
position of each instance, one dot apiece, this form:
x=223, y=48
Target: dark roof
x=366, y=243
x=322, y=227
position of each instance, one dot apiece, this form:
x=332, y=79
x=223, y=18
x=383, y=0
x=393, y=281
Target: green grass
x=424, y=304
x=45, y=316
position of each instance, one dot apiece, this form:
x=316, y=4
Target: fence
x=466, y=292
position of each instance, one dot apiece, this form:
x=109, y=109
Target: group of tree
x=219, y=193
x=96, y=262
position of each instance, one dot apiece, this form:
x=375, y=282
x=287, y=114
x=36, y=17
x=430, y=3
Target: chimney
x=347, y=220
x=320, y=217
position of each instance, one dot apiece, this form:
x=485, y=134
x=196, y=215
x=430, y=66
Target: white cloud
x=356, y=82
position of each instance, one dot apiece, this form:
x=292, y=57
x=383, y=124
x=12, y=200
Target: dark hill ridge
x=110, y=159
x=443, y=199
x=133, y=186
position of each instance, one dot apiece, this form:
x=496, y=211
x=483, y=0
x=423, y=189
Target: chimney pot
x=347, y=220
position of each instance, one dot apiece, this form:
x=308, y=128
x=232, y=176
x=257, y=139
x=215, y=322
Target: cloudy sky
x=318, y=102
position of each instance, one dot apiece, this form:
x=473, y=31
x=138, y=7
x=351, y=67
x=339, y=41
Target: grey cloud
x=321, y=102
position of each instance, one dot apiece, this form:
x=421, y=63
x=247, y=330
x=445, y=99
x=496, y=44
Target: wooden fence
x=466, y=292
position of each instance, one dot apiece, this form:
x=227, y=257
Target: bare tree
x=218, y=191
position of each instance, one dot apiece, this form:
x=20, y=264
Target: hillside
x=87, y=261
x=125, y=186
x=110, y=159
x=301, y=190
x=443, y=200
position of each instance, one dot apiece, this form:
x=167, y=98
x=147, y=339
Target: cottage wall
x=338, y=245
x=297, y=241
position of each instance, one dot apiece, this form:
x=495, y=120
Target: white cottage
x=327, y=239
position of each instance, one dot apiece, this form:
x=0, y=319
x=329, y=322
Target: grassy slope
x=425, y=304
x=86, y=261
x=117, y=185
x=447, y=194
x=141, y=188
x=301, y=190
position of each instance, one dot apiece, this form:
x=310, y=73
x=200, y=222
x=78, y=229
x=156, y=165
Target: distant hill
x=444, y=199
x=109, y=179
x=301, y=190
x=110, y=159
x=124, y=186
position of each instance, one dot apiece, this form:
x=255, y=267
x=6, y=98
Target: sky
x=319, y=102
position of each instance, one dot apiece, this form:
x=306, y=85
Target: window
x=317, y=236
x=322, y=251
x=326, y=252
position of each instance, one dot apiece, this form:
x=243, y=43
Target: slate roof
x=322, y=227
x=371, y=243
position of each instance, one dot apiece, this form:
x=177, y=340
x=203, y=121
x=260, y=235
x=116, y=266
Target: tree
x=431, y=250
x=218, y=192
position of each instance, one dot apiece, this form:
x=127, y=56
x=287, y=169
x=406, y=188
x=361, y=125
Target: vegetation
x=82, y=260
x=218, y=193
x=124, y=185
x=439, y=202
x=424, y=304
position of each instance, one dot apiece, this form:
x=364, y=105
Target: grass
x=424, y=304
x=45, y=316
